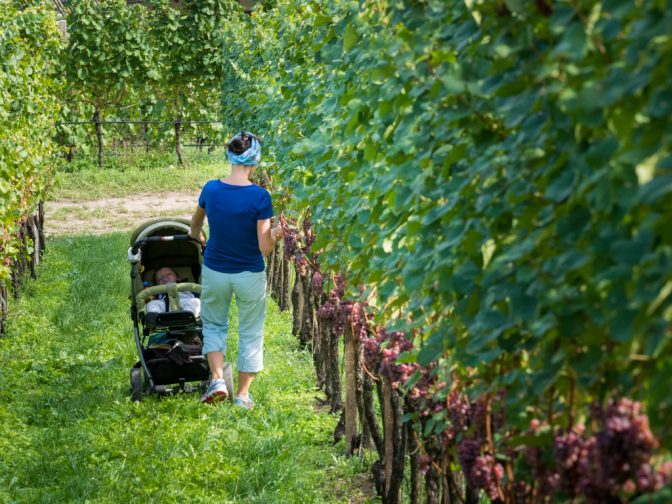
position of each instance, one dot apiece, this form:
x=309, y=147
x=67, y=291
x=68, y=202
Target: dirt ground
x=114, y=214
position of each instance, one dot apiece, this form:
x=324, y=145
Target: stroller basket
x=176, y=320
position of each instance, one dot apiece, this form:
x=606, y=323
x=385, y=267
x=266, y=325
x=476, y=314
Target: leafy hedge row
x=498, y=176
x=29, y=84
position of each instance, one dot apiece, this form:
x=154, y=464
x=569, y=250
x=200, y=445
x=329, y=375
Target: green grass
x=136, y=172
x=69, y=432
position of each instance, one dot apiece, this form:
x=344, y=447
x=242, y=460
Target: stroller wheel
x=136, y=384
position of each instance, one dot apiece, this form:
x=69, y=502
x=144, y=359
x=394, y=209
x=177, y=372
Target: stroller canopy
x=181, y=255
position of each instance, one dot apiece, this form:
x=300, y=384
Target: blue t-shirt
x=233, y=212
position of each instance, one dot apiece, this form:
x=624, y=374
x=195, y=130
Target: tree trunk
x=334, y=374
x=298, y=302
x=70, y=155
x=307, y=329
x=351, y=413
x=413, y=451
x=365, y=442
x=433, y=485
x=3, y=306
x=40, y=228
x=270, y=264
x=281, y=277
x=145, y=133
x=277, y=273
x=452, y=487
x=285, y=299
x=394, y=445
x=99, y=135
x=370, y=416
x=37, y=244
x=178, y=141
x=471, y=495
x=316, y=335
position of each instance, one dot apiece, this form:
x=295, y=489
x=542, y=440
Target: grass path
x=69, y=432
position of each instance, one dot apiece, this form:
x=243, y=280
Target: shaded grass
x=136, y=173
x=69, y=432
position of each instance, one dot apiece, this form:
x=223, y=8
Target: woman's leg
x=215, y=304
x=250, y=291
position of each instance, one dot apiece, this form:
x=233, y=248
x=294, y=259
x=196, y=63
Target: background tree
x=190, y=67
x=108, y=57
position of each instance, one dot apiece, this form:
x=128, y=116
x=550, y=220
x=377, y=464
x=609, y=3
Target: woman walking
x=239, y=214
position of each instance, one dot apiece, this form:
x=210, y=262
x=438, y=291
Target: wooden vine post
x=284, y=290
x=298, y=303
x=351, y=410
x=394, y=445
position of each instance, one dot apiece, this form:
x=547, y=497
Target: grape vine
x=480, y=169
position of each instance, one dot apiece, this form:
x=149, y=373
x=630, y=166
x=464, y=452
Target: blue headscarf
x=250, y=157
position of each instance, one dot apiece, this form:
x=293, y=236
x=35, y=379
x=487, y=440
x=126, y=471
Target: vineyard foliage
x=492, y=180
x=29, y=84
x=496, y=175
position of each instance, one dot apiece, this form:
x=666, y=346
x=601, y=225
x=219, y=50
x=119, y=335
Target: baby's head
x=165, y=275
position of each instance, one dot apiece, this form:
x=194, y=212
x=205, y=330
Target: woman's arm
x=196, y=228
x=267, y=236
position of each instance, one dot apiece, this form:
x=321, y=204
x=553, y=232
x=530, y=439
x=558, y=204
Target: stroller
x=170, y=343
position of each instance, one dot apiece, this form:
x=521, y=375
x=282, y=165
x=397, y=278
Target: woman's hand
x=277, y=233
x=200, y=238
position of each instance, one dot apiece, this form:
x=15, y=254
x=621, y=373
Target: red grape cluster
x=424, y=463
x=422, y=394
x=317, y=281
x=393, y=344
x=339, y=285
x=467, y=453
x=468, y=427
x=333, y=309
x=460, y=411
x=308, y=235
x=619, y=456
x=602, y=467
x=486, y=474
x=327, y=311
x=360, y=320
x=568, y=450
x=482, y=471
x=301, y=265
x=291, y=243
x=291, y=239
x=371, y=350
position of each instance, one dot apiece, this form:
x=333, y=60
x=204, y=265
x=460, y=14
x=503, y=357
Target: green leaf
x=432, y=349
x=621, y=328
x=561, y=186
x=652, y=191
x=573, y=43
x=515, y=6
x=350, y=38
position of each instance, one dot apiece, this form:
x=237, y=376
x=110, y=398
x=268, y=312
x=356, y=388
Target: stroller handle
x=150, y=239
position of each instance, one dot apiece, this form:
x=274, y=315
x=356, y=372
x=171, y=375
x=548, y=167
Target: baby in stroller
x=166, y=315
x=188, y=300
